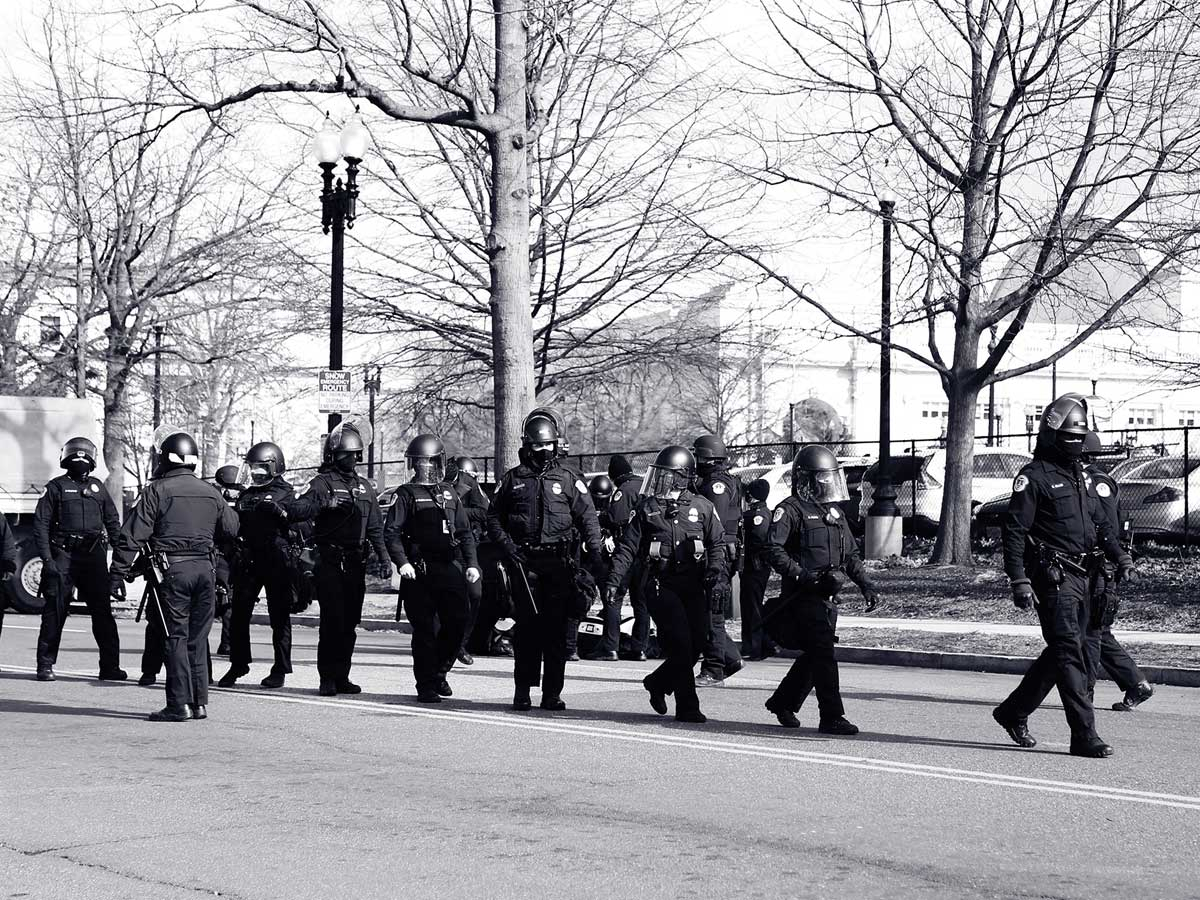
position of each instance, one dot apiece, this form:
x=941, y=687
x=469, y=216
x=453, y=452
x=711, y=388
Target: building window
x=51, y=329
x=935, y=409
x=1189, y=417
x=1143, y=417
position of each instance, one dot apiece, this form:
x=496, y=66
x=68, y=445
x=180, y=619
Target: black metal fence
x=1156, y=470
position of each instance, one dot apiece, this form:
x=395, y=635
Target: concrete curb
x=366, y=624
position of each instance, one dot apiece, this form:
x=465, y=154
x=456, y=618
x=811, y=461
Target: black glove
x=833, y=582
x=336, y=501
x=1022, y=592
x=8, y=568
x=1126, y=571
x=718, y=593
x=116, y=587
x=49, y=569
x=871, y=596
x=273, y=509
x=514, y=555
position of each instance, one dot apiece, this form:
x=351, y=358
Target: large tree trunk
x=114, y=446
x=508, y=241
x=953, y=547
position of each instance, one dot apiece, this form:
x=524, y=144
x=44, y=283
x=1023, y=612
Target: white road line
x=39, y=628
x=557, y=726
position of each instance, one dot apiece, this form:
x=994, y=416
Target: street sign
x=333, y=391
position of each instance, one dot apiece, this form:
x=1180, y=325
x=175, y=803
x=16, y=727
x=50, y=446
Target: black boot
x=1017, y=729
x=1090, y=746
x=147, y=679
x=198, y=710
x=1134, y=698
x=346, y=686
x=785, y=715
x=521, y=701
x=229, y=679
x=695, y=717
x=274, y=680
x=170, y=714
x=841, y=725
x=113, y=675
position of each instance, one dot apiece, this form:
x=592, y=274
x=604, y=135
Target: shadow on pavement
x=53, y=709
x=919, y=698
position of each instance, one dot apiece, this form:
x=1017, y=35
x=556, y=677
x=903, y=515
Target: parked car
x=919, y=481
x=1160, y=499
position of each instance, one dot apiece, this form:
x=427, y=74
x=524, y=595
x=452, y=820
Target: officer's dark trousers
x=1117, y=662
x=539, y=639
x=87, y=572
x=754, y=576
x=436, y=606
x=156, y=640
x=680, y=610
x=189, y=600
x=341, y=582
x=721, y=657
x=1068, y=659
x=636, y=582
x=816, y=666
x=276, y=577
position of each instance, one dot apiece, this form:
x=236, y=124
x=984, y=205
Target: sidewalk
x=955, y=626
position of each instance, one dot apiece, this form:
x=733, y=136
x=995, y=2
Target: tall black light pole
x=338, y=208
x=158, y=336
x=371, y=383
x=883, y=537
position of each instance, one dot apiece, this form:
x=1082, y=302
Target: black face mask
x=541, y=458
x=345, y=462
x=1069, y=445
x=79, y=468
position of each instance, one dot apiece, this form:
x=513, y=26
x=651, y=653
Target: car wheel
x=23, y=588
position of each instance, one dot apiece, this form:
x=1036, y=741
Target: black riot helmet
x=601, y=488
x=265, y=461
x=78, y=456
x=228, y=480
x=1064, y=426
x=709, y=451
x=345, y=445
x=1092, y=446
x=670, y=472
x=540, y=437
x=818, y=476
x=173, y=448
x=427, y=459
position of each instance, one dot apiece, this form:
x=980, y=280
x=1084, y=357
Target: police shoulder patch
x=581, y=487
x=1103, y=489
x=95, y=488
x=778, y=514
x=718, y=487
x=616, y=496
x=1020, y=483
x=447, y=496
x=834, y=512
x=556, y=487
x=758, y=520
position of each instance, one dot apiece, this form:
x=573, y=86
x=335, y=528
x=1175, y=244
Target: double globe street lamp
x=338, y=206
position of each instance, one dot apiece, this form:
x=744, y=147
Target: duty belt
x=72, y=542
x=557, y=548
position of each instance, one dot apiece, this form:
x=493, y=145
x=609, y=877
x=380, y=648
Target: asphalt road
x=289, y=795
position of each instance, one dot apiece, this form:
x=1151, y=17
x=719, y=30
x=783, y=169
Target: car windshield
x=1167, y=467
x=903, y=468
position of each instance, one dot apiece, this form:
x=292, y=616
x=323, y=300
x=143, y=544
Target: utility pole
x=371, y=383
x=158, y=336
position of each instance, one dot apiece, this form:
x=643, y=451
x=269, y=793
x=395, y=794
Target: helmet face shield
x=257, y=473
x=662, y=482
x=824, y=485
x=428, y=469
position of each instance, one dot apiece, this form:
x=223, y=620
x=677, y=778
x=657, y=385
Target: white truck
x=32, y=432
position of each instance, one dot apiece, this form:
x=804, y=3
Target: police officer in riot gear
x=620, y=514
x=181, y=521
x=430, y=540
x=463, y=476
x=756, y=571
x=678, y=537
x=347, y=524
x=539, y=513
x=1115, y=660
x=811, y=545
x=602, y=488
x=74, y=521
x=263, y=561
x=718, y=485
x=1051, y=531
x=226, y=478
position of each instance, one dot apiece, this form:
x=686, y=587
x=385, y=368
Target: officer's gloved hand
x=514, y=555
x=1022, y=592
x=473, y=575
x=273, y=509
x=8, y=568
x=833, y=582
x=1126, y=571
x=116, y=587
x=408, y=572
x=871, y=596
x=610, y=544
x=49, y=569
x=337, y=501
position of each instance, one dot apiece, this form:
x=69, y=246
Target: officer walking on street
x=226, y=480
x=180, y=521
x=811, y=545
x=263, y=561
x=430, y=540
x=718, y=485
x=463, y=476
x=1053, y=526
x=756, y=571
x=348, y=522
x=539, y=512
x=678, y=538
x=73, y=523
x=1115, y=660
x=601, y=488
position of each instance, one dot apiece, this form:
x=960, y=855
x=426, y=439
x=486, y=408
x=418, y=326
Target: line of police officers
x=673, y=543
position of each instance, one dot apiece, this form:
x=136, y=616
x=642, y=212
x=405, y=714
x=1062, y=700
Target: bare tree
x=1039, y=147
x=537, y=205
